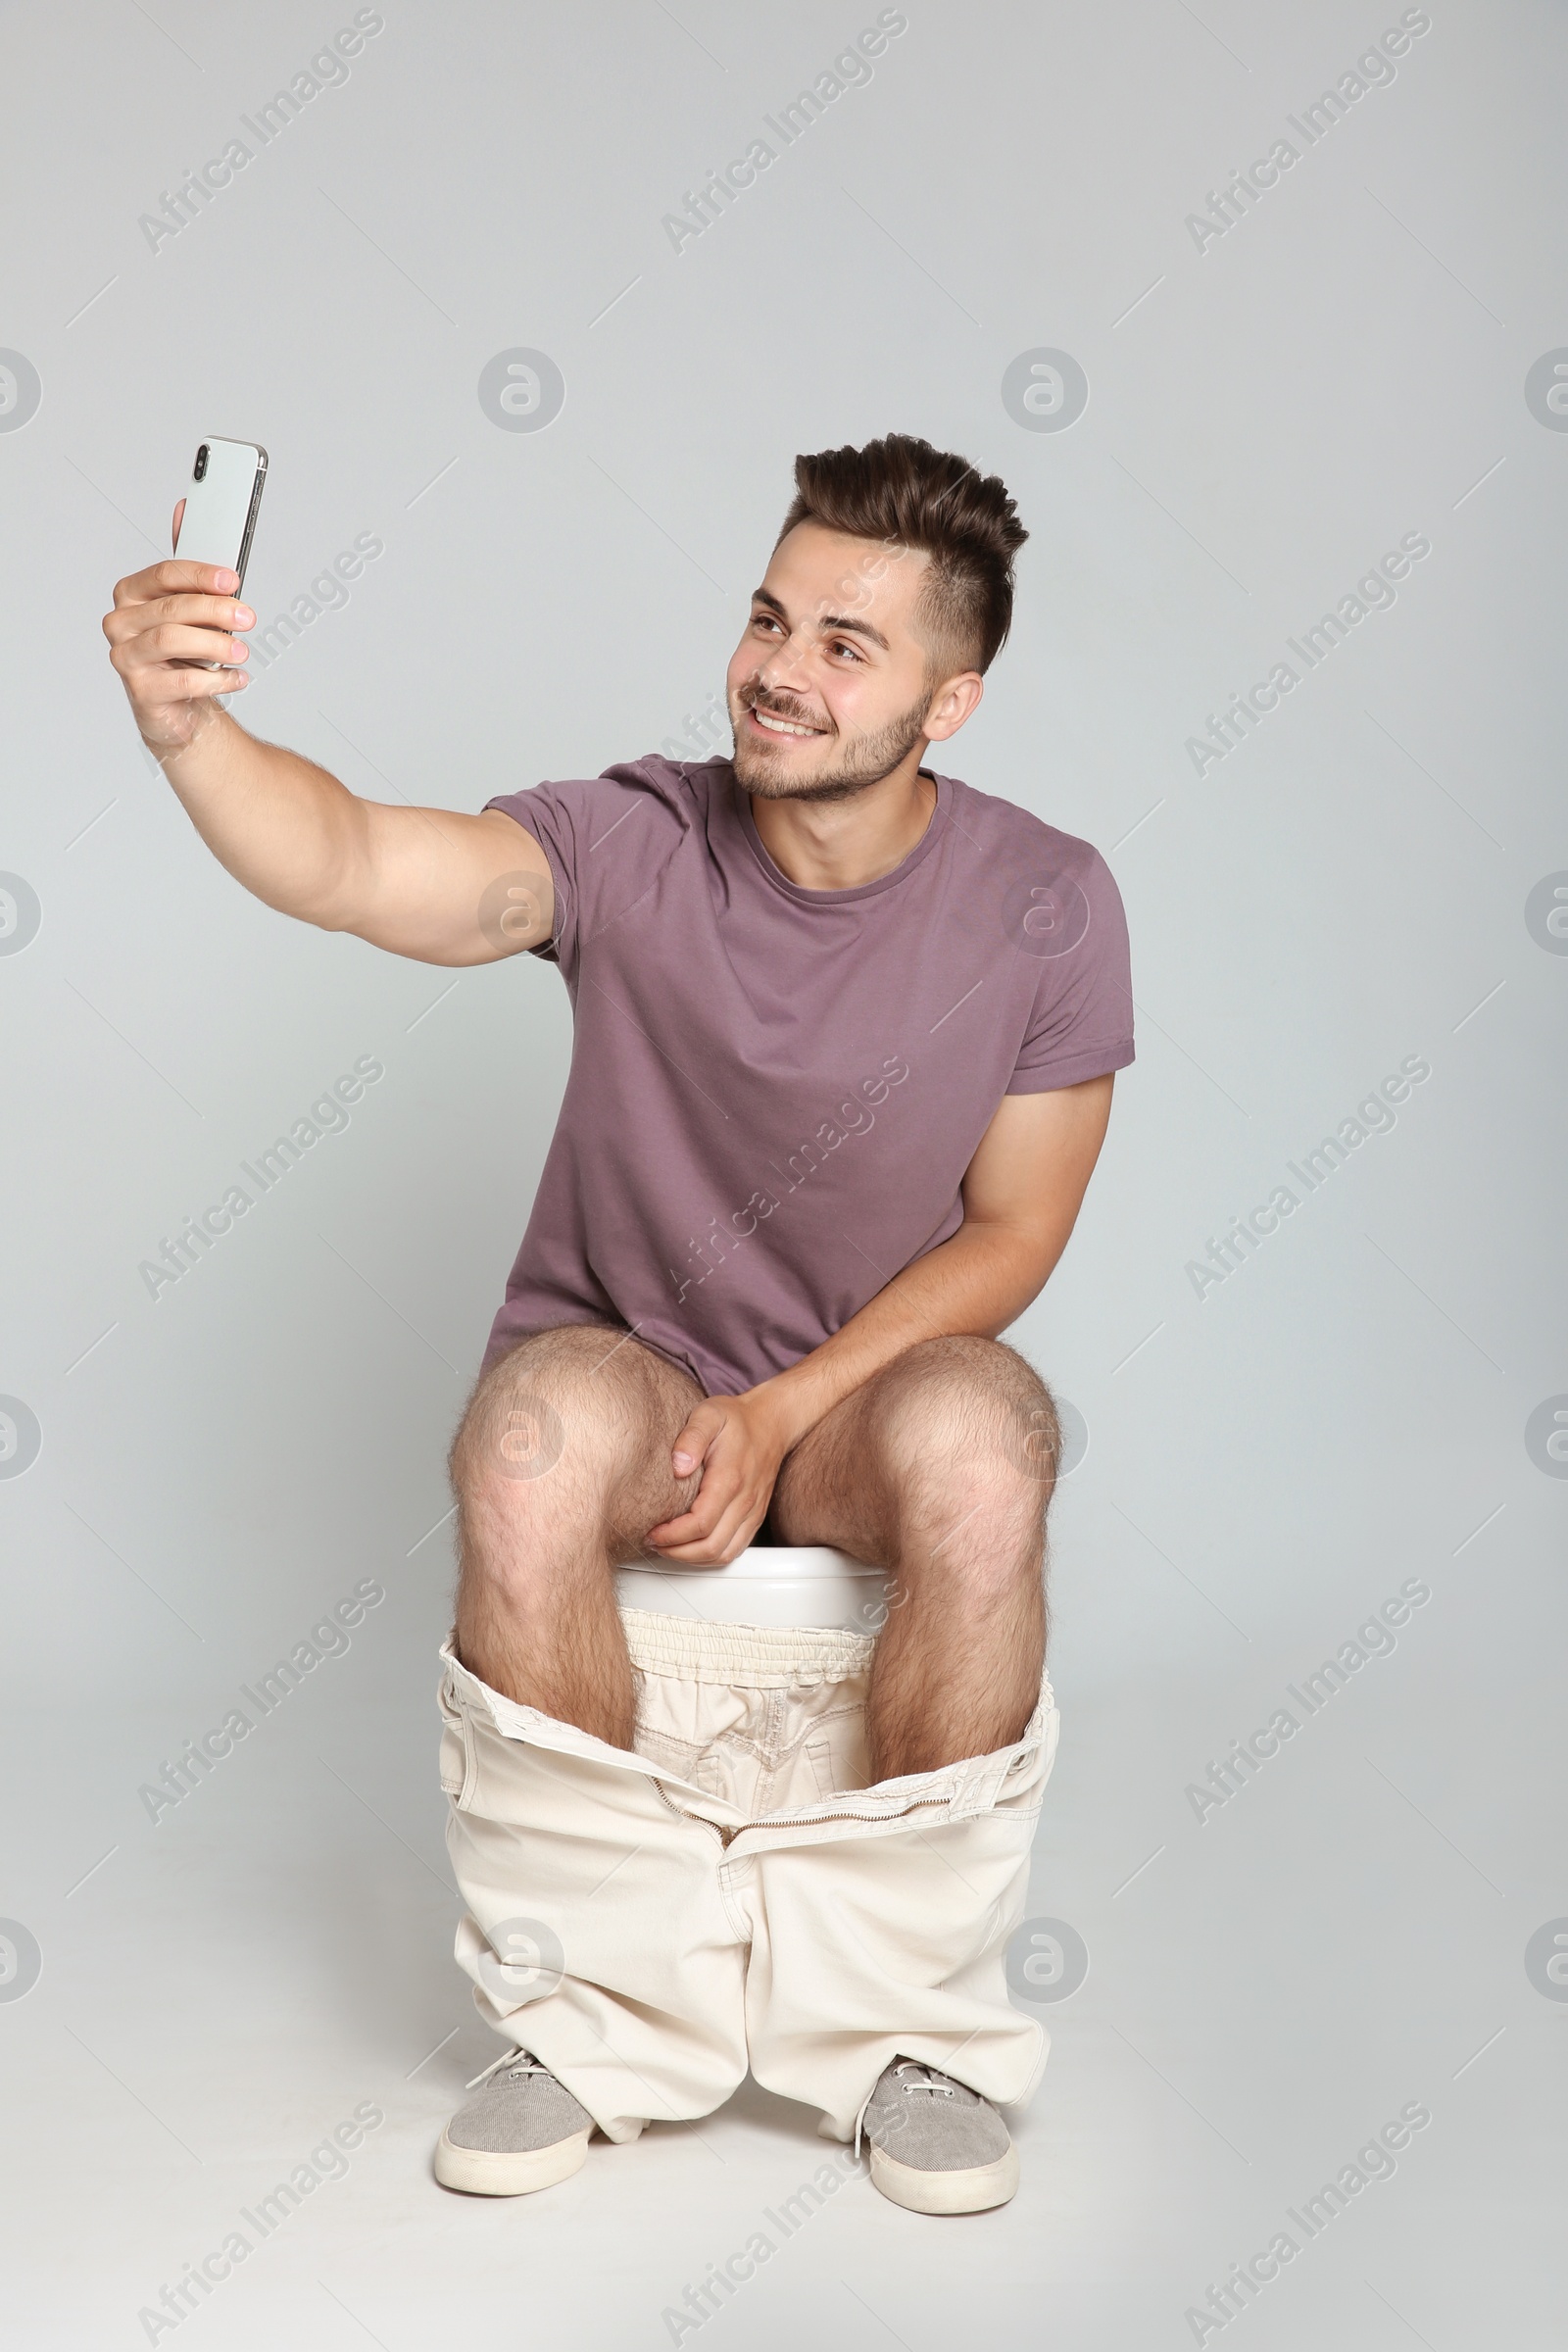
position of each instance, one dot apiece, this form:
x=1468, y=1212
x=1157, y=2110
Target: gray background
x=1265, y=1464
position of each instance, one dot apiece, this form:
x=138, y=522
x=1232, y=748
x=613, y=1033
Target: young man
x=844, y=1039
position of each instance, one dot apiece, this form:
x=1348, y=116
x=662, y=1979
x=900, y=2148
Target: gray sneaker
x=524, y=2130
x=953, y=2151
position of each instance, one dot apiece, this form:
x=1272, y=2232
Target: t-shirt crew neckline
x=936, y=825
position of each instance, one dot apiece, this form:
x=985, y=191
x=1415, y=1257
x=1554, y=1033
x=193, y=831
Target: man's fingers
x=210, y=611
x=171, y=577
x=179, y=517
x=732, y=1535
x=687, y=1528
x=729, y=1537
x=719, y=1509
x=176, y=685
x=173, y=640
x=712, y=1500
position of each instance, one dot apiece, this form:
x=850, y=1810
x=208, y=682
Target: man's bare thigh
x=826, y=1491
x=938, y=1414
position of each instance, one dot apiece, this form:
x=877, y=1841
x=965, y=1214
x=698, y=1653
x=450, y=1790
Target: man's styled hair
x=901, y=489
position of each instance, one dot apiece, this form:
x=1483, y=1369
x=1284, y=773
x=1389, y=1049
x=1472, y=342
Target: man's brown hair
x=900, y=489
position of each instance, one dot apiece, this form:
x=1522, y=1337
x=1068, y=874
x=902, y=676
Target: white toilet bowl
x=771, y=1585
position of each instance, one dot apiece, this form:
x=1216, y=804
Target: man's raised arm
x=436, y=884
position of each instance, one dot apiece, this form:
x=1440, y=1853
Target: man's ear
x=951, y=703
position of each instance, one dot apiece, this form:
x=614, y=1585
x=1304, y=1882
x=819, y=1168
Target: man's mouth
x=774, y=725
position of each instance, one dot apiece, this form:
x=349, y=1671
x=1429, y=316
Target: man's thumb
x=690, y=1448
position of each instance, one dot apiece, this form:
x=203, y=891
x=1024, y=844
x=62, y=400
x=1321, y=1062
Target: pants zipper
x=788, y=1821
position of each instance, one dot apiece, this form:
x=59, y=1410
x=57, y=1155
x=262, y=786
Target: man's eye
x=850, y=650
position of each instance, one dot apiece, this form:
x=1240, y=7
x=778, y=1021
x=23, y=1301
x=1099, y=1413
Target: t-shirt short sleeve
x=606, y=839
x=1074, y=927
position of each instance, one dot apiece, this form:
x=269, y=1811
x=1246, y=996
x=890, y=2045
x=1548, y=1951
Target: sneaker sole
x=509, y=2173
x=972, y=2192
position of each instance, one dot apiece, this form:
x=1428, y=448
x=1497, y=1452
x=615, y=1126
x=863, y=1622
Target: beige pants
x=732, y=1894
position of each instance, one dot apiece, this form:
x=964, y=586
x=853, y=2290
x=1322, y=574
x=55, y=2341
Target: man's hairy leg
x=939, y=1468
x=560, y=1465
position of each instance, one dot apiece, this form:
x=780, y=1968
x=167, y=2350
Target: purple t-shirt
x=775, y=1092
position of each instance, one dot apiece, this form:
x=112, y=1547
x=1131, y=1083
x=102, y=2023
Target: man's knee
x=524, y=1408
x=968, y=1417
x=565, y=1430
x=564, y=1394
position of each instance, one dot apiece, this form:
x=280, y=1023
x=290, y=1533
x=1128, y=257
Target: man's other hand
x=738, y=1443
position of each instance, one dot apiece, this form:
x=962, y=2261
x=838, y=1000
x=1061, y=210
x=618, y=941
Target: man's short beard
x=865, y=761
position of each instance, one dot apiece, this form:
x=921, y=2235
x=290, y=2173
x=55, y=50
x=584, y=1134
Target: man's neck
x=841, y=845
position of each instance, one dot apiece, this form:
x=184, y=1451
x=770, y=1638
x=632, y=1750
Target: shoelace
x=924, y=2078
x=516, y=2062
x=911, y=2076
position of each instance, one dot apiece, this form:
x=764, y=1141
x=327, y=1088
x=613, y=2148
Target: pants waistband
x=761, y=1657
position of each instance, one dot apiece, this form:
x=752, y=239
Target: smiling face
x=835, y=682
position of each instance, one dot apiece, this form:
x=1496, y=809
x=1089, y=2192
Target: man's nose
x=785, y=668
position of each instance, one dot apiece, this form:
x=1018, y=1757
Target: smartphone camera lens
x=201, y=462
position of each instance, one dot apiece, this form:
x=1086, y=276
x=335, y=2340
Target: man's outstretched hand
x=738, y=1443
x=167, y=621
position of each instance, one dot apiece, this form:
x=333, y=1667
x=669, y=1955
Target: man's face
x=832, y=686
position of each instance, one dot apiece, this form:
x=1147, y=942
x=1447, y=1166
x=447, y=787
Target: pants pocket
x=457, y=1753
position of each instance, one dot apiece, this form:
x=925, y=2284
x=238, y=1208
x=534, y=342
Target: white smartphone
x=220, y=504
x=226, y=491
